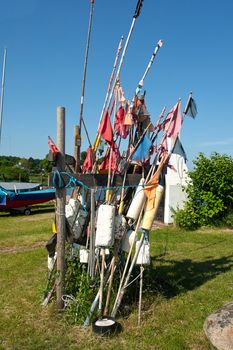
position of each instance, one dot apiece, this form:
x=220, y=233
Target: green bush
x=186, y=219
x=210, y=193
x=228, y=220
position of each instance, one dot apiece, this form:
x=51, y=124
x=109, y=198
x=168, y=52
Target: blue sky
x=46, y=41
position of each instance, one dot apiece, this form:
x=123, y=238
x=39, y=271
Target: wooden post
x=77, y=145
x=60, y=211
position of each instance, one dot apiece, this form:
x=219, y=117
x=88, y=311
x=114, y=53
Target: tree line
x=23, y=169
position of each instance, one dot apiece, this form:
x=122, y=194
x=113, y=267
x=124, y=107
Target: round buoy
x=105, y=326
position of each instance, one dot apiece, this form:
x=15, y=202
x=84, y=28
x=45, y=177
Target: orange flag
x=150, y=188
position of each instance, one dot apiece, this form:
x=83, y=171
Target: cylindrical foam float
x=150, y=214
x=83, y=255
x=137, y=202
x=144, y=253
x=128, y=240
x=105, y=226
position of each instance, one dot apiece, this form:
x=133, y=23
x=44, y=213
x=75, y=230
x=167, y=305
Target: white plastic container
x=105, y=226
x=83, y=255
x=144, y=253
x=76, y=217
x=52, y=261
x=137, y=202
x=128, y=240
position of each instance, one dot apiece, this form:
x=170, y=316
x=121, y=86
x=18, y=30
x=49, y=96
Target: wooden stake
x=60, y=210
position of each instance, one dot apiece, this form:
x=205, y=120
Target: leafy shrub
x=228, y=220
x=210, y=192
x=186, y=219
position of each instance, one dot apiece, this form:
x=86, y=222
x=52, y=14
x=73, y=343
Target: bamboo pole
x=117, y=77
x=77, y=168
x=102, y=280
x=60, y=209
x=140, y=295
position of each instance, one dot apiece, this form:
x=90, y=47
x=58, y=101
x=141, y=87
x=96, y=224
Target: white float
x=105, y=226
x=137, y=202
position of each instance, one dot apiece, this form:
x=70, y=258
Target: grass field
x=192, y=277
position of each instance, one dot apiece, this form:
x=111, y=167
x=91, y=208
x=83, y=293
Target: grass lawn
x=192, y=277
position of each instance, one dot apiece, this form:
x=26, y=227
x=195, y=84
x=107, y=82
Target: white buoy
x=83, y=256
x=51, y=261
x=150, y=214
x=128, y=240
x=144, y=253
x=105, y=226
x=76, y=217
x=137, y=202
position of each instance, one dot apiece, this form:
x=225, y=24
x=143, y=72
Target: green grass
x=192, y=277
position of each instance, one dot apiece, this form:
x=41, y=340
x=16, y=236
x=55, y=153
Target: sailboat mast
x=2, y=91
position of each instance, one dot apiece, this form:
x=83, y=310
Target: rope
x=67, y=299
x=140, y=274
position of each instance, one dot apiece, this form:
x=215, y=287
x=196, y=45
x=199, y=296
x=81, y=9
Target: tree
x=210, y=192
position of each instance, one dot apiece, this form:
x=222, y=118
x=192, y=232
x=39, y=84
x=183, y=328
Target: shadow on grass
x=175, y=277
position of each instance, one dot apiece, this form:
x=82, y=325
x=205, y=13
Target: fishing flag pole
x=81, y=121
x=136, y=14
x=2, y=91
x=157, y=47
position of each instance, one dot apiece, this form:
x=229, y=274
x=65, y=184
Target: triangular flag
x=142, y=152
x=88, y=162
x=191, y=109
x=173, y=121
x=105, y=128
x=52, y=146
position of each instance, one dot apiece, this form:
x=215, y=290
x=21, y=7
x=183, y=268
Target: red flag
x=120, y=128
x=88, y=162
x=115, y=158
x=128, y=116
x=105, y=128
x=173, y=121
x=52, y=146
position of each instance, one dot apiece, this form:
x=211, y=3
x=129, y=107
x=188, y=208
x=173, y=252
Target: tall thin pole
x=2, y=91
x=83, y=84
x=117, y=77
x=60, y=209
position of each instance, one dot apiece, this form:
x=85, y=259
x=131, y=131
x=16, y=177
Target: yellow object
x=150, y=213
x=121, y=207
x=54, y=229
x=108, y=195
x=96, y=143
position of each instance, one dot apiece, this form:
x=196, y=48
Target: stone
x=218, y=328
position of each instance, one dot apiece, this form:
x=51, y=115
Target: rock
x=218, y=328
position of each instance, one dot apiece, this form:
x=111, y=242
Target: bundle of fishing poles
x=114, y=221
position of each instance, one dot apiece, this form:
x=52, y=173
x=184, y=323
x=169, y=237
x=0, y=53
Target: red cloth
x=105, y=128
x=128, y=116
x=88, y=162
x=115, y=158
x=52, y=146
x=173, y=121
x=120, y=128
